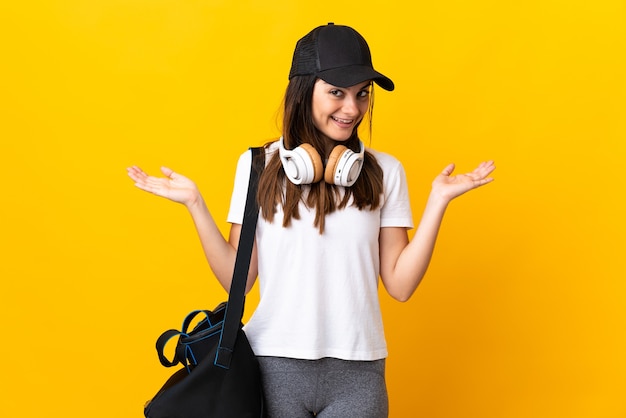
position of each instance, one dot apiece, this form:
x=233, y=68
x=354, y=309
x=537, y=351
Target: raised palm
x=449, y=186
x=173, y=186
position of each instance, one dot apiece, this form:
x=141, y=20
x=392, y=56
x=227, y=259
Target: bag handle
x=160, y=347
x=236, y=296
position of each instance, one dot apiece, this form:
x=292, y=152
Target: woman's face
x=337, y=110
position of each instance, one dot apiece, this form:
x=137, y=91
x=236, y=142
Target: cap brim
x=350, y=76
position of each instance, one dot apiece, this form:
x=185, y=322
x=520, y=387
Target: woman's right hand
x=173, y=186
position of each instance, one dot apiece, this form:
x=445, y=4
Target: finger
x=133, y=170
x=155, y=185
x=156, y=182
x=484, y=181
x=136, y=173
x=167, y=172
x=143, y=186
x=488, y=169
x=484, y=169
x=146, y=183
x=448, y=170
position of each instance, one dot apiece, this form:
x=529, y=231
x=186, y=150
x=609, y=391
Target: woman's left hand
x=448, y=186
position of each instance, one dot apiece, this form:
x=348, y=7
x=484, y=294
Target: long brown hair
x=298, y=128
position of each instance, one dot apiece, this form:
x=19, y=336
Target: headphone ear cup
x=343, y=167
x=316, y=161
x=333, y=160
x=302, y=165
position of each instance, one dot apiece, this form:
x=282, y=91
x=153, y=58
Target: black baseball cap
x=337, y=54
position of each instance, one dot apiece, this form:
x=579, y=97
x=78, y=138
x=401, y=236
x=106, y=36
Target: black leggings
x=325, y=388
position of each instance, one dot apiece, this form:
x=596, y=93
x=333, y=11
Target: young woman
x=334, y=218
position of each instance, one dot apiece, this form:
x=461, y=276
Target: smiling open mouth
x=342, y=120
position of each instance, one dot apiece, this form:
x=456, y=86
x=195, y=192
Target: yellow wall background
x=523, y=313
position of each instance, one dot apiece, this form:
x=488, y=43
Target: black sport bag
x=220, y=377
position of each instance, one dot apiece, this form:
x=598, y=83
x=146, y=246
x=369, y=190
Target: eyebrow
x=370, y=83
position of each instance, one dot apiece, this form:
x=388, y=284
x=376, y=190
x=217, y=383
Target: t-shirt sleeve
x=240, y=189
x=396, y=210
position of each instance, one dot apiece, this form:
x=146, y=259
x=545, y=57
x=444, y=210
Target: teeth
x=342, y=120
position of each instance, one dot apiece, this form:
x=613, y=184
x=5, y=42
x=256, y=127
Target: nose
x=350, y=106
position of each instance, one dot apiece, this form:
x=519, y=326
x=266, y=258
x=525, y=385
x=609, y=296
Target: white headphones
x=303, y=165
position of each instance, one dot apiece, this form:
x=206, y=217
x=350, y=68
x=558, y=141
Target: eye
x=336, y=92
x=363, y=93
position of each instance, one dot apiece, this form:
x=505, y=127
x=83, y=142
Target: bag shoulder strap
x=236, y=296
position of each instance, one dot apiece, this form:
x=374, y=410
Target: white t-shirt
x=319, y=293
